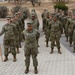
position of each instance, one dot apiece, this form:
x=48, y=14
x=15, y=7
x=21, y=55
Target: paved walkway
x=54, y=64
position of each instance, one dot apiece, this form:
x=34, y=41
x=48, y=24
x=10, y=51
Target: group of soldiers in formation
x=54, y=25
x=57, y=23
x=15, y=33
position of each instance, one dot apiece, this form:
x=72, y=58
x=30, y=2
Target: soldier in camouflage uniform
x=30, y=48
x=20, y=20
x=55, y=27
x=35, y=23
x=44, y=15
x=9, y=39
x=16, y=32
x=68, y=20
x=61, y=19
x=71, y=30
x=20, y=27
x=47, y=30
x=22, y=16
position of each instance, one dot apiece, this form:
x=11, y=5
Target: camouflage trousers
x=66, y=34
x=55, y=39
x=28, y=54
x=44, y=23
x=20, y=40
x=47, y=35
x=9, y=45
x=17, y=41
x=70, y=35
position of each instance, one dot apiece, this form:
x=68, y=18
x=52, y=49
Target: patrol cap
x=19, y=13
x=8, y=17
x=55, y=16
x=45, y=9
x=33, y=14
x=16, y=14
x=29, y=23
x=33, y=10
x=12, y=16
x=50, y=14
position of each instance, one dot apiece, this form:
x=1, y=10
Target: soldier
x=47, y=31
x=16, y=32
x=20, y=27
x=44, y=14
x=68, y=18
x=61, y=19
x=35, y=24
x=35, y=1
x=71, y=30
x=30, y=47
x=55, y=33
x=35, y=21
x=9, y=39
x=22, y=17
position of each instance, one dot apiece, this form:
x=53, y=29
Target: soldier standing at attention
x=55, y=33
x=30, y=48
x=9, y=39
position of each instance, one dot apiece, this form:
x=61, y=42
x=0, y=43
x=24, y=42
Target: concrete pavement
x=49, y=64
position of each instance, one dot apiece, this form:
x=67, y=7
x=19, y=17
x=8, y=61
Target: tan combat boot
x=14, y=58
x=6, y=58
x=27, y=70
x=51, y=51
x=35, y=70
x=59, y=51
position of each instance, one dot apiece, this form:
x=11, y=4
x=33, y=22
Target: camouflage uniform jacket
x=30, y=40
x=55, y=28
x=9, y=31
